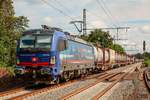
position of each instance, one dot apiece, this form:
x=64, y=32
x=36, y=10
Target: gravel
x=119, y=69
x=133, y=89
x=59, y=92
x=120, y=90
x=87, y=94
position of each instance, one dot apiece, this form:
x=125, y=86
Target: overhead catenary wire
x=61, y=5
x=97, y=16
x=94, y=14
x=106, y=12
x=59, y=10
x=110, y=13
x=76, y=18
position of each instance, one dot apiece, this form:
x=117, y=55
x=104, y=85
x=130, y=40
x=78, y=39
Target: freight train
x=49, y=54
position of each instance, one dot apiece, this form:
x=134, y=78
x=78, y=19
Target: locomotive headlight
x=18, y=61
x=53, y=60
x=34, y=59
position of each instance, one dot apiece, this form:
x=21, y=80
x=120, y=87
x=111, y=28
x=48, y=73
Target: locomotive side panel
x=77, y=56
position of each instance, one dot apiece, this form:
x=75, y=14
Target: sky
x=100, y=14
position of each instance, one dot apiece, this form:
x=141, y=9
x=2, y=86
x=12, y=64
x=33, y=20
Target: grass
x=10, y=70
x=147, y=63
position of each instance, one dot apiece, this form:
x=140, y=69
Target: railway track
x=100, y=94
x=147, y=78
x=2, y=94
x=21, y=93
x=79, y=90
x=118, y=76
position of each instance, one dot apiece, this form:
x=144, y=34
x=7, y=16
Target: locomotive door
x=62, y=48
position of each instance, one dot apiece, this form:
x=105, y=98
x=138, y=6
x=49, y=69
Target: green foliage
x=145, y=56
x=103, y=39
x=99, y=37
x=10, y=29
x=9, y=69
x=118, y=48
x=139, y=56
x=147, y=63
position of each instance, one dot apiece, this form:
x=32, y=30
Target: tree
x=139, y=56
x=10, y=29
x=99, y=37
x=103, y=39
x=146, y=55
x=118, y=48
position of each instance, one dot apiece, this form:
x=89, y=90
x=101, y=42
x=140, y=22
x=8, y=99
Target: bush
x=147, y=63
x=9, y=70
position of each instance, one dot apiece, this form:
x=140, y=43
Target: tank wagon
x=48, y=54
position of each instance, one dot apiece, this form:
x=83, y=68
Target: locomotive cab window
x=62, y=45
x=43, y=42
x=37, y=42
x=27, y=41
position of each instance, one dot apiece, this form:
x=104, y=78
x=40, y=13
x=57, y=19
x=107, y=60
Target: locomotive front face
x=34, y=53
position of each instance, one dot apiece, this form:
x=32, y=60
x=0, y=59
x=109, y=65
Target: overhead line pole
x=84, y=22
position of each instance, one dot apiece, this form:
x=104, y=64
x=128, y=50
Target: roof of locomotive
x=77, y=39
x=52, y=31
x=38, y=31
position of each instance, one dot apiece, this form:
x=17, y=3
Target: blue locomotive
x=50, y=54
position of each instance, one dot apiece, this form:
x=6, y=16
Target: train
x=50, y=55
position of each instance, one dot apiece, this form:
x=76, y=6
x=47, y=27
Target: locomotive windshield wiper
x=29, y=49
x=42, y=49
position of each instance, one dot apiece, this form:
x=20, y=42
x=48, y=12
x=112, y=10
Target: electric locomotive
x=49, y=54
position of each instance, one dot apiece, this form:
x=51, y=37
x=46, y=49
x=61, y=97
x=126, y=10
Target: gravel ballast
x=59, y=92
x=121, y=91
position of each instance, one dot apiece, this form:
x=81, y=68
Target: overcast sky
x=123, y=13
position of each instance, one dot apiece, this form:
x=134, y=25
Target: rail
x=147, y=78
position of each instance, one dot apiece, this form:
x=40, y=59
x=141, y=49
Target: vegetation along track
x=147, y=78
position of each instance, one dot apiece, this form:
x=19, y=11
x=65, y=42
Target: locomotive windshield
x=35, y=41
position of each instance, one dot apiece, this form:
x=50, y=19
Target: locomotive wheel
x=57, y=81
x=66, y=76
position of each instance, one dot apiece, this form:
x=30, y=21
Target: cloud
x=131, y=13
x=47, y=21
x=145, y=29
x=29, y=2
x=97, y=24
